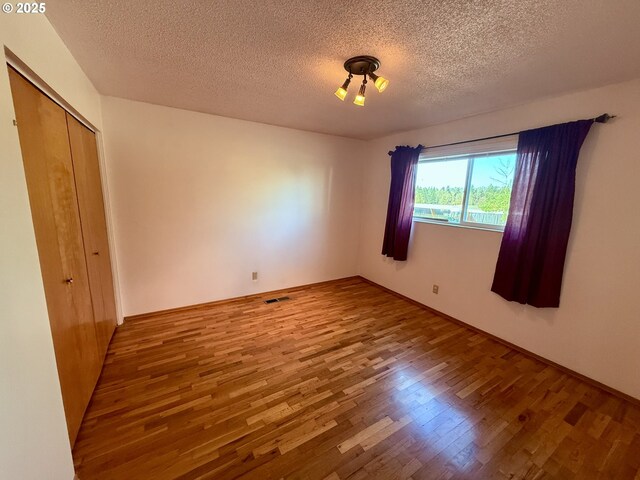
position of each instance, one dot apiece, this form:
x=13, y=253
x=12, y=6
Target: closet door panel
x=84, y=154
x=42, y=129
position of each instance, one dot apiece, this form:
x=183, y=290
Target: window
x=468, y=185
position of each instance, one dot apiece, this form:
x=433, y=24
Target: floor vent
x=275, y=300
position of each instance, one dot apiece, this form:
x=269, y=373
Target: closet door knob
x=69, y=280
x=96, y=253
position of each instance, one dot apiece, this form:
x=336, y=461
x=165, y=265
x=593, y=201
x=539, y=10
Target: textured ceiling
x=279, y=61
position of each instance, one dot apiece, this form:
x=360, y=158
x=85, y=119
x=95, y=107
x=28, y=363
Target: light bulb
x=381, y=83
x=341, y=93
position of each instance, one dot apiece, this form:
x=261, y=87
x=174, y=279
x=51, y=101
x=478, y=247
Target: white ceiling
x=279, y=61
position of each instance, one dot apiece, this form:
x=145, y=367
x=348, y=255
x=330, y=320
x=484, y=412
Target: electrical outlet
x=254, y=276
x=435, y=288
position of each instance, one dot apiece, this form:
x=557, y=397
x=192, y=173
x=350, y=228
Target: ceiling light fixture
x=363, y=65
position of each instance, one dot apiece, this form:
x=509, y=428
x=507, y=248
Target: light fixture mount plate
x=362, y=65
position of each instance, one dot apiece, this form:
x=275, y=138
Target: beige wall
x=596, y=330
x=33, y=435
x=201, y=201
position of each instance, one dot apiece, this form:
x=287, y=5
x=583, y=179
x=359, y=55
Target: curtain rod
x=604, y=118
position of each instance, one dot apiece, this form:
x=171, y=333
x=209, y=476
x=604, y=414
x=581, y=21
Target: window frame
x=470, y=151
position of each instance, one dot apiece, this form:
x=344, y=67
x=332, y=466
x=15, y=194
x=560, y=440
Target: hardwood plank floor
x=345, y=380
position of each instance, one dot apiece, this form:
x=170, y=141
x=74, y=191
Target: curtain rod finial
x=604, y=118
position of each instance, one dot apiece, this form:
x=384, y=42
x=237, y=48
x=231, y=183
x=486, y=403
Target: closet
x=65, y=193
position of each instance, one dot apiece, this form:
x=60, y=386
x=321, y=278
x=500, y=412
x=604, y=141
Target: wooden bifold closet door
x=84, y=154
x=63, y=180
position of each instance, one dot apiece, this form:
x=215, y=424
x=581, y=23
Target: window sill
x=456, y=225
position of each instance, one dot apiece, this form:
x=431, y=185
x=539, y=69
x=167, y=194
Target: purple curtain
x=534, y=245
x=404, y=163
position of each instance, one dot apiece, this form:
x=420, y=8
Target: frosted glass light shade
x=381, y=83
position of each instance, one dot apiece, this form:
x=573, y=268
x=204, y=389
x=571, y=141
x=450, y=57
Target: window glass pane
x=490, y=189
x=440, y=189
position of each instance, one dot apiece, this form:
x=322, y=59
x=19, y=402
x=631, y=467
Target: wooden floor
x=345, y=380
